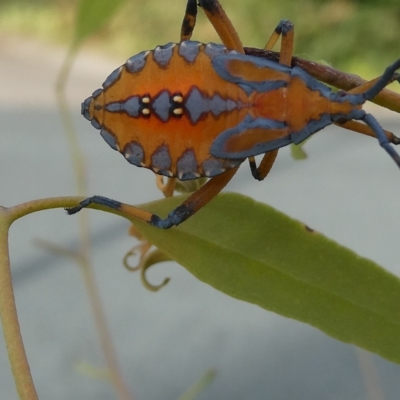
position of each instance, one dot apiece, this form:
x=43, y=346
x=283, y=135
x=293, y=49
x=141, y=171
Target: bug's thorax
x=343, y=107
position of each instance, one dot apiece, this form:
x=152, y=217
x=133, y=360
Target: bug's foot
x=73, y=210
x=284, y=27
x=99, y=200
x=395, y=140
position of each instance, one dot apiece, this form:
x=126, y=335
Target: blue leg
x=356, y=96
x=388, y=76
x=181, y=213
x=380, y=134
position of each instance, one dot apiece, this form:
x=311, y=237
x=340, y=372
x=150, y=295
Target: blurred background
x=348, y=34
x=347, y=189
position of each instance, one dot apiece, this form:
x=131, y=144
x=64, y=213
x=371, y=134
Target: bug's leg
x=363, y=87
x=181, y=213
x=390, y=75
x=168, y=188
x=380, y=134
x=359, y=127
x=368, y=91
x=285, y=29
x=189, y=20
x=222, y=24
x=365, y=129
x=265, y=166
x=218, y=18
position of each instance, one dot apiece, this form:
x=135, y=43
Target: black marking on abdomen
x=176, y=105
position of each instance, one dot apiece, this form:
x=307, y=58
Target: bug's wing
x=250, y=138
x=251, y=73
x=264, y=128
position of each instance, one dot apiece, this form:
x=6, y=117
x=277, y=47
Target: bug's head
x=85, y=108
x=88, y=108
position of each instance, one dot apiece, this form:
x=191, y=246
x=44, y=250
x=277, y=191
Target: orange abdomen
x=163, y=109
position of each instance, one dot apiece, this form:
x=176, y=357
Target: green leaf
x=254, y=253
x=91, y=16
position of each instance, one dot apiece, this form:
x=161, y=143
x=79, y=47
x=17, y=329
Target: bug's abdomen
x=164, y=108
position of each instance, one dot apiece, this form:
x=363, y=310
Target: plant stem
x=32, y=206
x=9, y=319
x=8, y=310
x=29, y=207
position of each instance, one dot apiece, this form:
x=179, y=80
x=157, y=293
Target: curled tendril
x=153, y=257
x=131, y=253
x=147, y=259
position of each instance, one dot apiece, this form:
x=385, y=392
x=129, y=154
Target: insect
x=188, y=110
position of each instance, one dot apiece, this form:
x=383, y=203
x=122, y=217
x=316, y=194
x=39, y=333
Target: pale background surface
x=348, y=189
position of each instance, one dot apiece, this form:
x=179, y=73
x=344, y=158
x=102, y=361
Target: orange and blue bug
x=188, y=110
